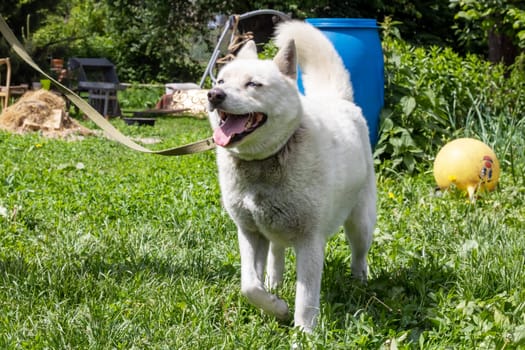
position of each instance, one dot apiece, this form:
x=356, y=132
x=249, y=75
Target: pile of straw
x=42, y=111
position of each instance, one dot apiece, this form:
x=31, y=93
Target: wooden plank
x=154, y=112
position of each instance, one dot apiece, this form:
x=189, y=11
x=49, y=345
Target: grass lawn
x=102, y=247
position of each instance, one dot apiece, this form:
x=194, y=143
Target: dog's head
x=255, y=105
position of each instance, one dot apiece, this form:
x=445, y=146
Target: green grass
x=102, y=247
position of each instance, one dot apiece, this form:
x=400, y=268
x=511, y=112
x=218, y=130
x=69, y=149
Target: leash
x=93, y=114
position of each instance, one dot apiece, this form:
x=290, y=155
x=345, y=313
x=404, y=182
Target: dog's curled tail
x=322, y=69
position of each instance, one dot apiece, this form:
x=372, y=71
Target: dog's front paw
x=280, y=309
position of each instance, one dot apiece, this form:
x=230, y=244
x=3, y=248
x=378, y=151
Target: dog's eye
x=253, y=84
x=220, y=81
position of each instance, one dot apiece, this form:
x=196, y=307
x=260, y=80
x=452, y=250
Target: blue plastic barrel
x=357, y=42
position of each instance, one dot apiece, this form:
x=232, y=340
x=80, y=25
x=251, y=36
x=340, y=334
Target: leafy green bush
x=479, y=18
x=140, y=97
x=146, y=40
x=433, y=95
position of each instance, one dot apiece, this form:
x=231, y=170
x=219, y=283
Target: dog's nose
x=216, y=96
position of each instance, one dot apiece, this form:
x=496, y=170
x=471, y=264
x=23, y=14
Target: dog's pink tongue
x=232, y=126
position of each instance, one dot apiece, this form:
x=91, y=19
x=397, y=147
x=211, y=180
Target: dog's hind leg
x=254, y=250
x=359, y=228
x=275, y=266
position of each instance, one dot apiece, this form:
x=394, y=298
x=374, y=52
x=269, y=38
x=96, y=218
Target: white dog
x=292, y=168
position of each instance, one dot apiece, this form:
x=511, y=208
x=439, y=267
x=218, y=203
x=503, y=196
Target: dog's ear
x=286, y=60
x=248, y=51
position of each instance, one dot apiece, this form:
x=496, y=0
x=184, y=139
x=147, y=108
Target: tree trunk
x=501, y=48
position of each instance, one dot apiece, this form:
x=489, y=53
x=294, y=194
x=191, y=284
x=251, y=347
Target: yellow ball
x=467, y=163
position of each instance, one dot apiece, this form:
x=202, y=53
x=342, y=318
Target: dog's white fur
x=299, y=177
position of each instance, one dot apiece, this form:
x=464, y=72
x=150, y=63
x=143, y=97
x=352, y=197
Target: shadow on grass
x=399, y=299
x=77, y=276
